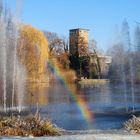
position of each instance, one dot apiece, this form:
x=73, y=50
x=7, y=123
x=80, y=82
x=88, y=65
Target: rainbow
x=81, y=103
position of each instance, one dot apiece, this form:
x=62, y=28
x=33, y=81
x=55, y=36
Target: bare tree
x=65, y=44
x=54, y=40
x=96, y=62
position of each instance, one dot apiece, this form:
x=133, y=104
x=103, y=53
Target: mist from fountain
x=3, y=59
x=12, y=73
x=129, y=51
x=20, y=78
x=4, y=69
x=124, y=80
x=132, y=78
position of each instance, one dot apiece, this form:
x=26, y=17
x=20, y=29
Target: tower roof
x=78, y=29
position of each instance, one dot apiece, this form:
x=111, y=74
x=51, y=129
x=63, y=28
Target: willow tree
x=33, y=53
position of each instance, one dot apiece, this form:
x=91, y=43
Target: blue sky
x=99, y=16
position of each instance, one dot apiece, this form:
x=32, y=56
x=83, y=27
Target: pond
x=75, y=107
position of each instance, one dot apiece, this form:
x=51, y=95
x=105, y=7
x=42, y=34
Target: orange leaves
x=33, y=52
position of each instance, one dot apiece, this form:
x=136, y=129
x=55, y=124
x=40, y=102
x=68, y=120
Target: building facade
x=85, y=63
x=78, y=42
x=104, y=62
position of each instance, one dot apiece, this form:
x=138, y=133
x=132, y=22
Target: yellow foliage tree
x=60, y=63
x=33, y=53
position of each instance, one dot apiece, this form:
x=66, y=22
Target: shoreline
x=85, y=135
x=93, y=81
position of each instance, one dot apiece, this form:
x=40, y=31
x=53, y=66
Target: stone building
x=78, y=42
x=86, y=64
x=104, y=61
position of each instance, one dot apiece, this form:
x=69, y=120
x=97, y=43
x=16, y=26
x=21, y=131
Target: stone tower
x=78, y=42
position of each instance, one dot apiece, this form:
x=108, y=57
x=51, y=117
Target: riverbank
x=33, y=126
x=94, y=137
x=93, y=81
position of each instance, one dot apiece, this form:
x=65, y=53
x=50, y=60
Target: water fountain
x=128, y=49
x=12, y=73
x=132, y=79
x=124, y=82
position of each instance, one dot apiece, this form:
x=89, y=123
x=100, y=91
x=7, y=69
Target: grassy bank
x=133, y=125
x=29, y=126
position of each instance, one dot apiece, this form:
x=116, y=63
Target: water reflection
x=37, y=93
x=106, y=103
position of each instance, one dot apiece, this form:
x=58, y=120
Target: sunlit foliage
x=33, y=52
